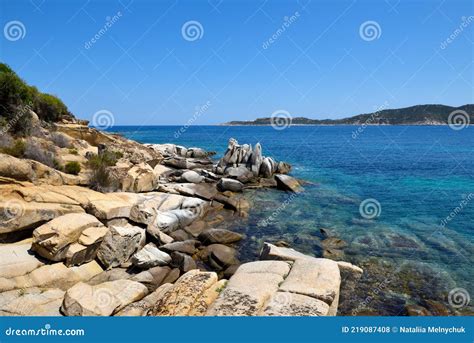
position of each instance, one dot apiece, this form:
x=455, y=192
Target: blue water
x=418, y=175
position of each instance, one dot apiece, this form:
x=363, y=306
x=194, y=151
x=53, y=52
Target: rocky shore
x=135, y=232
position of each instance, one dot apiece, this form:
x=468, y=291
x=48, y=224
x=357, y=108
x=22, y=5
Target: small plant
x=73, y=151
x=35, y=151
x=73, y=168
x=60, y=139
x=17, y=149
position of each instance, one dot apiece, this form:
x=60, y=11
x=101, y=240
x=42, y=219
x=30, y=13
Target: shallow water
x=418, y=175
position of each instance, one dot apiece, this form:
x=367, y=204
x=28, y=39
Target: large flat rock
x=16, y=260
x=31, y=302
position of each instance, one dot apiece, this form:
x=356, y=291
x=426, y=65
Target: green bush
x=72, y=168
x=73, y=151
x=101, y=180
x=17, y=149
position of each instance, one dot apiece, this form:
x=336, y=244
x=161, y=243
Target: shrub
x=72, y=168
x=73, y=151
x=101, y=179
x=50, y=108
x=60, y=139
x=35, y=151
x=18, y=149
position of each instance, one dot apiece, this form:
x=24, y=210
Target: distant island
x=414, y=115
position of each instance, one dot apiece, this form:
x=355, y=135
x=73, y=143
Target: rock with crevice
x=104, y=299
x=73, y=238
x=150, y=256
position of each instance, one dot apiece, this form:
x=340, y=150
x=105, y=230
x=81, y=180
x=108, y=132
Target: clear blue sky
x=144, y=71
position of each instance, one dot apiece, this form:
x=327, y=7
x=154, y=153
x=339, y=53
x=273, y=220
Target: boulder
x=187, y=247
x=196, y=153
x=101, y=300
x=232, y=185
x=221, y=236
x=185, y=295
x=191, y=177
x=73, y=238
x=240, y=173
x=287, y=183
x=293, y=304
x=150, y=256
x=267, y=167
x=272, y=252
x=16, y=260
x=31, y=302
x=221, y=256
x=256, y=159
x=142, y=307
x=140, y=178
x=283, y=168
x=156, y=276
x=119, y=244
x=184, y=262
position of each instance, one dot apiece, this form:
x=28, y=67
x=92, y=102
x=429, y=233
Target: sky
x=209, y=62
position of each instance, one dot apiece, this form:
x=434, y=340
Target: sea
x=398, y=199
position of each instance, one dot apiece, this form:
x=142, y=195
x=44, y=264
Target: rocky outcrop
x=140, y=178
x=73, y=238
x=101, y=300
x=119, y=244
x=221, y=236
x=31, y=302
x=237, y=157
x=190, y=295
x=288, y=183
x=150, y=256
x=226, y=184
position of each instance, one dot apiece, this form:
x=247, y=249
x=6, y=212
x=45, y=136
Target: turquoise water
x=418, y=174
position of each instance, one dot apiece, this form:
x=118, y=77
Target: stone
x=272, y=252
x=279, y=268
x=292, y=304
x=150, y=256
x=416, y=310
x=180, y=235
x=202, y=304
x=185, y=295
x=119, y=244
x=333, y=243
x=16, y=260
x=288, y=183
x=315, y=277
x=110, y=275
x=187, y=247
x=221, y=236
x=191, y=177
x=266, y=168
x=182, y=261
x=245, y=294
x=142, y=307
x=256, y=159
x=196, y=153
x=31, y=302
x=283, y=168
x=73, y=237
x=156, y=276
x=107, y=209
x=221, y=256
x=55, y=275
x=240, y=173
x=104, y=299
x=232, y=185
x=140, y=178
